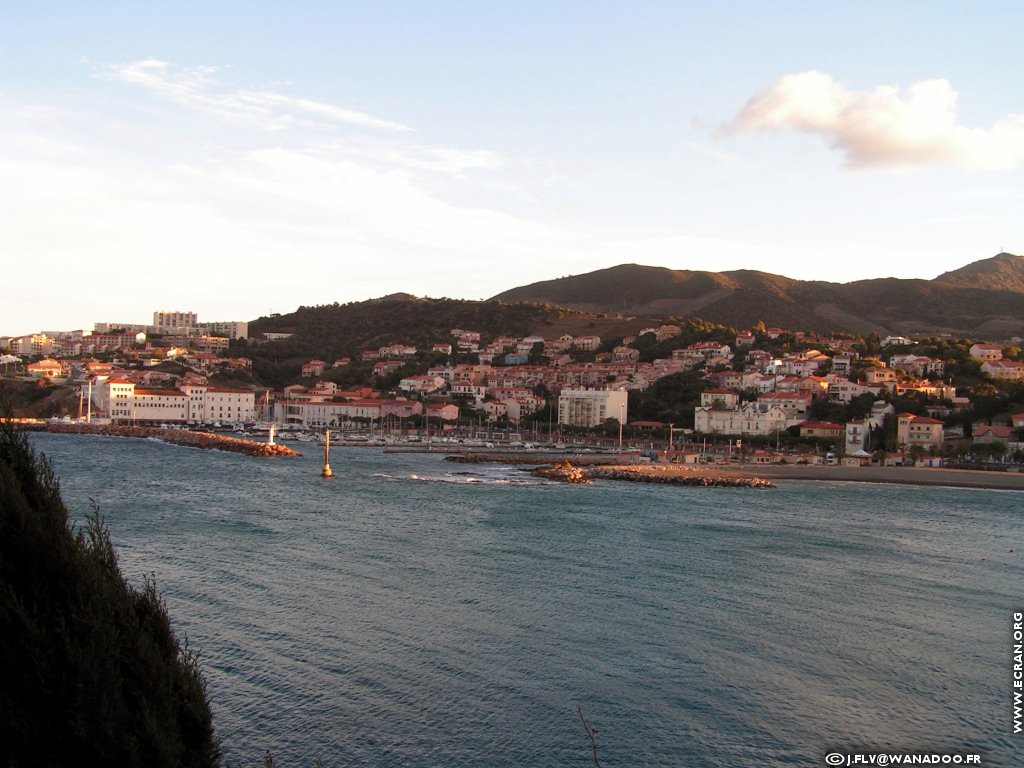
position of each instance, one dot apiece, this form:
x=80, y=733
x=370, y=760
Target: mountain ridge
x=986, y=296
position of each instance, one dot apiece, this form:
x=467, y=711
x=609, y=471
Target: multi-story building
x=35, y=344
x=751, y=418
x=192, y=403
x=858, y=433
x=591, y=407
x=182, y=323
x=918, y=430
x=232, y=329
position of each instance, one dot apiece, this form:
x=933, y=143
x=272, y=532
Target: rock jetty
x=567, y=472
x=205, y=440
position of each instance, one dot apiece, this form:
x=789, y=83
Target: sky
x=237, y=159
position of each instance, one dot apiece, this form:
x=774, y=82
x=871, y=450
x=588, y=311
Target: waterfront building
x=591, y=407
x=918, y=430
x=193, y=403
x=858, y=435
x=746, y=419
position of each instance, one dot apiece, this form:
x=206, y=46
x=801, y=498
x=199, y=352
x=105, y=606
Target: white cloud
x=199, y=89
x=446, y=160
x=885, y=127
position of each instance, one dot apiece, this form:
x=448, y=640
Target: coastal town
x=762, y=396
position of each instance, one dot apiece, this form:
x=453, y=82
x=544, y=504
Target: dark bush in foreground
x=91, y=672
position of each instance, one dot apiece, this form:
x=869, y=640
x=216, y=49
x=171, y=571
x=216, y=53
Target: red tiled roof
x=995, y=430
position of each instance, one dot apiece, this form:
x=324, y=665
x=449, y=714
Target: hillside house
x=313, y=369
x=986, y=352
x=1011, y=370
x=879, y=375
x=719, y=399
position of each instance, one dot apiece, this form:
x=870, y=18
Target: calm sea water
x=414, y=612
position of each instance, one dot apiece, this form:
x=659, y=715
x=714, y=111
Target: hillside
x=985, y=298
x=345, y=330
x=1003, y=272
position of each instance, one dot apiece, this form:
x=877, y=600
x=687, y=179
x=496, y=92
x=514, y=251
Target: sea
x=416, y=612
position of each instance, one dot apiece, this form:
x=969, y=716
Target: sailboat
x=327, y=471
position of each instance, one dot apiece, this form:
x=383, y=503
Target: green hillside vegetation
x=344, y=330
x=93, y=672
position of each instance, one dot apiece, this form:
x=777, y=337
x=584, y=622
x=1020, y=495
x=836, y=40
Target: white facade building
x=746, y=419
x=192, y=403
x=591, y=407
x=174, y=323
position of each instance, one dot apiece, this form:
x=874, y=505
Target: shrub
x=93, y=673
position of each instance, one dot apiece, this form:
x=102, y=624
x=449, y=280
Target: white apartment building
x=233, y=329
x=590, y=407
x=35, y=344
x=174, y=323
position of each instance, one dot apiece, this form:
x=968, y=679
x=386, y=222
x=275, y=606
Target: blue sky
x=234, y=159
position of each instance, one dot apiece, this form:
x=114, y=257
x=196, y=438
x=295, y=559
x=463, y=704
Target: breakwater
x=205, y=440
x=570, y=473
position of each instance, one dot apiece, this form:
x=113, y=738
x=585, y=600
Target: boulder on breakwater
x=205, y=440
x=565, y=472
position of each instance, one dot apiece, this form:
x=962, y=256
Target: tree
x=94, y=674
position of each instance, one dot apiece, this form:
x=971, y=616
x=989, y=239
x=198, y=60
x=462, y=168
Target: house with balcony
x=914, y=430
x=857, y=437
